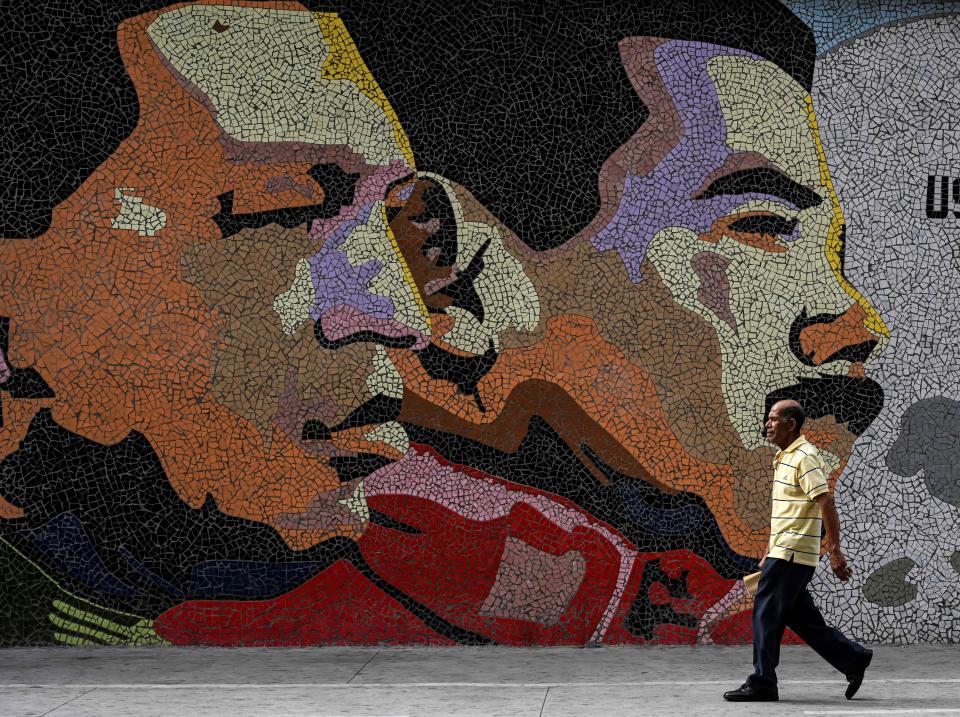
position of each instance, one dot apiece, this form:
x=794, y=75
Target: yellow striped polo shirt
x=795, y=521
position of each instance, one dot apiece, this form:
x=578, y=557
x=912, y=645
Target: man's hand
x=831, y=543
x=839, y=564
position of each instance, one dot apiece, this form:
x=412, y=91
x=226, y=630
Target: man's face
x=753, y=243
x=777, y=428
x=309, y=301
x=236, y=253
x=739, y=221
x=709, y=286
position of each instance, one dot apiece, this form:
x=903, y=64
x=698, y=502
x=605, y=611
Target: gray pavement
x=535, y=682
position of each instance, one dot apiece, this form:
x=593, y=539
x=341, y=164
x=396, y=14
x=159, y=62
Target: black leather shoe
x=856, y=678
x=746, y=693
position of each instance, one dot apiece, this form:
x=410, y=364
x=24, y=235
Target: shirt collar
x=791, y=448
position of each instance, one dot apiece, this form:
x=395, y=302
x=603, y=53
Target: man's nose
x=820, y=339
x=365, y=291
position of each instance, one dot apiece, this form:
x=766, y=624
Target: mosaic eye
x=765, y=224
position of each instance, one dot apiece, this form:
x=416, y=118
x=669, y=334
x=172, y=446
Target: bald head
x=791, y=410
x=784, y=423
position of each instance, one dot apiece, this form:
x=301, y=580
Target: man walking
x=802, y=503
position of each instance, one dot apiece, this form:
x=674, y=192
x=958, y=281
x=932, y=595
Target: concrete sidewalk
x=543, y=682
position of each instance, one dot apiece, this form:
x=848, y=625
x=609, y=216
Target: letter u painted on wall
x=939, y=196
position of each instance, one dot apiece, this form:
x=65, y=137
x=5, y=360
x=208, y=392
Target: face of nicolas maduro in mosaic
x=709, y=286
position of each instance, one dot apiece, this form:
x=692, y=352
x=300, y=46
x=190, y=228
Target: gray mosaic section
x=888, y=103
x=929, y=442
x=888, y=587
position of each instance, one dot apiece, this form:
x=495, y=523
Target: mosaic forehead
x=305, y=82
x=335, y=351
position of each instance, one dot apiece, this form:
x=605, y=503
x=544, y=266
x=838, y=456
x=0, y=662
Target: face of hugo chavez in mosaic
x=288, y=295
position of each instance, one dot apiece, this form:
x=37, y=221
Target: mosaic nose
x=821, y=339
x=364, y=290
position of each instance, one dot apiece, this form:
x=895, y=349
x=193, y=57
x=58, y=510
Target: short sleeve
x=811, y=476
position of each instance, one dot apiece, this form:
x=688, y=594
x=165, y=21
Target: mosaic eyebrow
x=339, y=187
x=763, y=180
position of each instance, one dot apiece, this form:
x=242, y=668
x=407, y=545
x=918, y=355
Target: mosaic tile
x=359, y=323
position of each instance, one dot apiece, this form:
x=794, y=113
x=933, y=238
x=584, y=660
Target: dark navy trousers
x=783, y=601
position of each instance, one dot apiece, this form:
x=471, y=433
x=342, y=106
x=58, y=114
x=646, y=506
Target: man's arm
x=831, y=523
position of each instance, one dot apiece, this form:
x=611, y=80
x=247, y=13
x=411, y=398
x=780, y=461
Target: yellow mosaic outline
x=834, y=246
x=344, y=63
x=407, y=274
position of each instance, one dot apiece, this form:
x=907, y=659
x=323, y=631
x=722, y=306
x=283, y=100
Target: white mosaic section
x=888, y=103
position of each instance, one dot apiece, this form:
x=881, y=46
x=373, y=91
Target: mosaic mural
x=353, y=323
